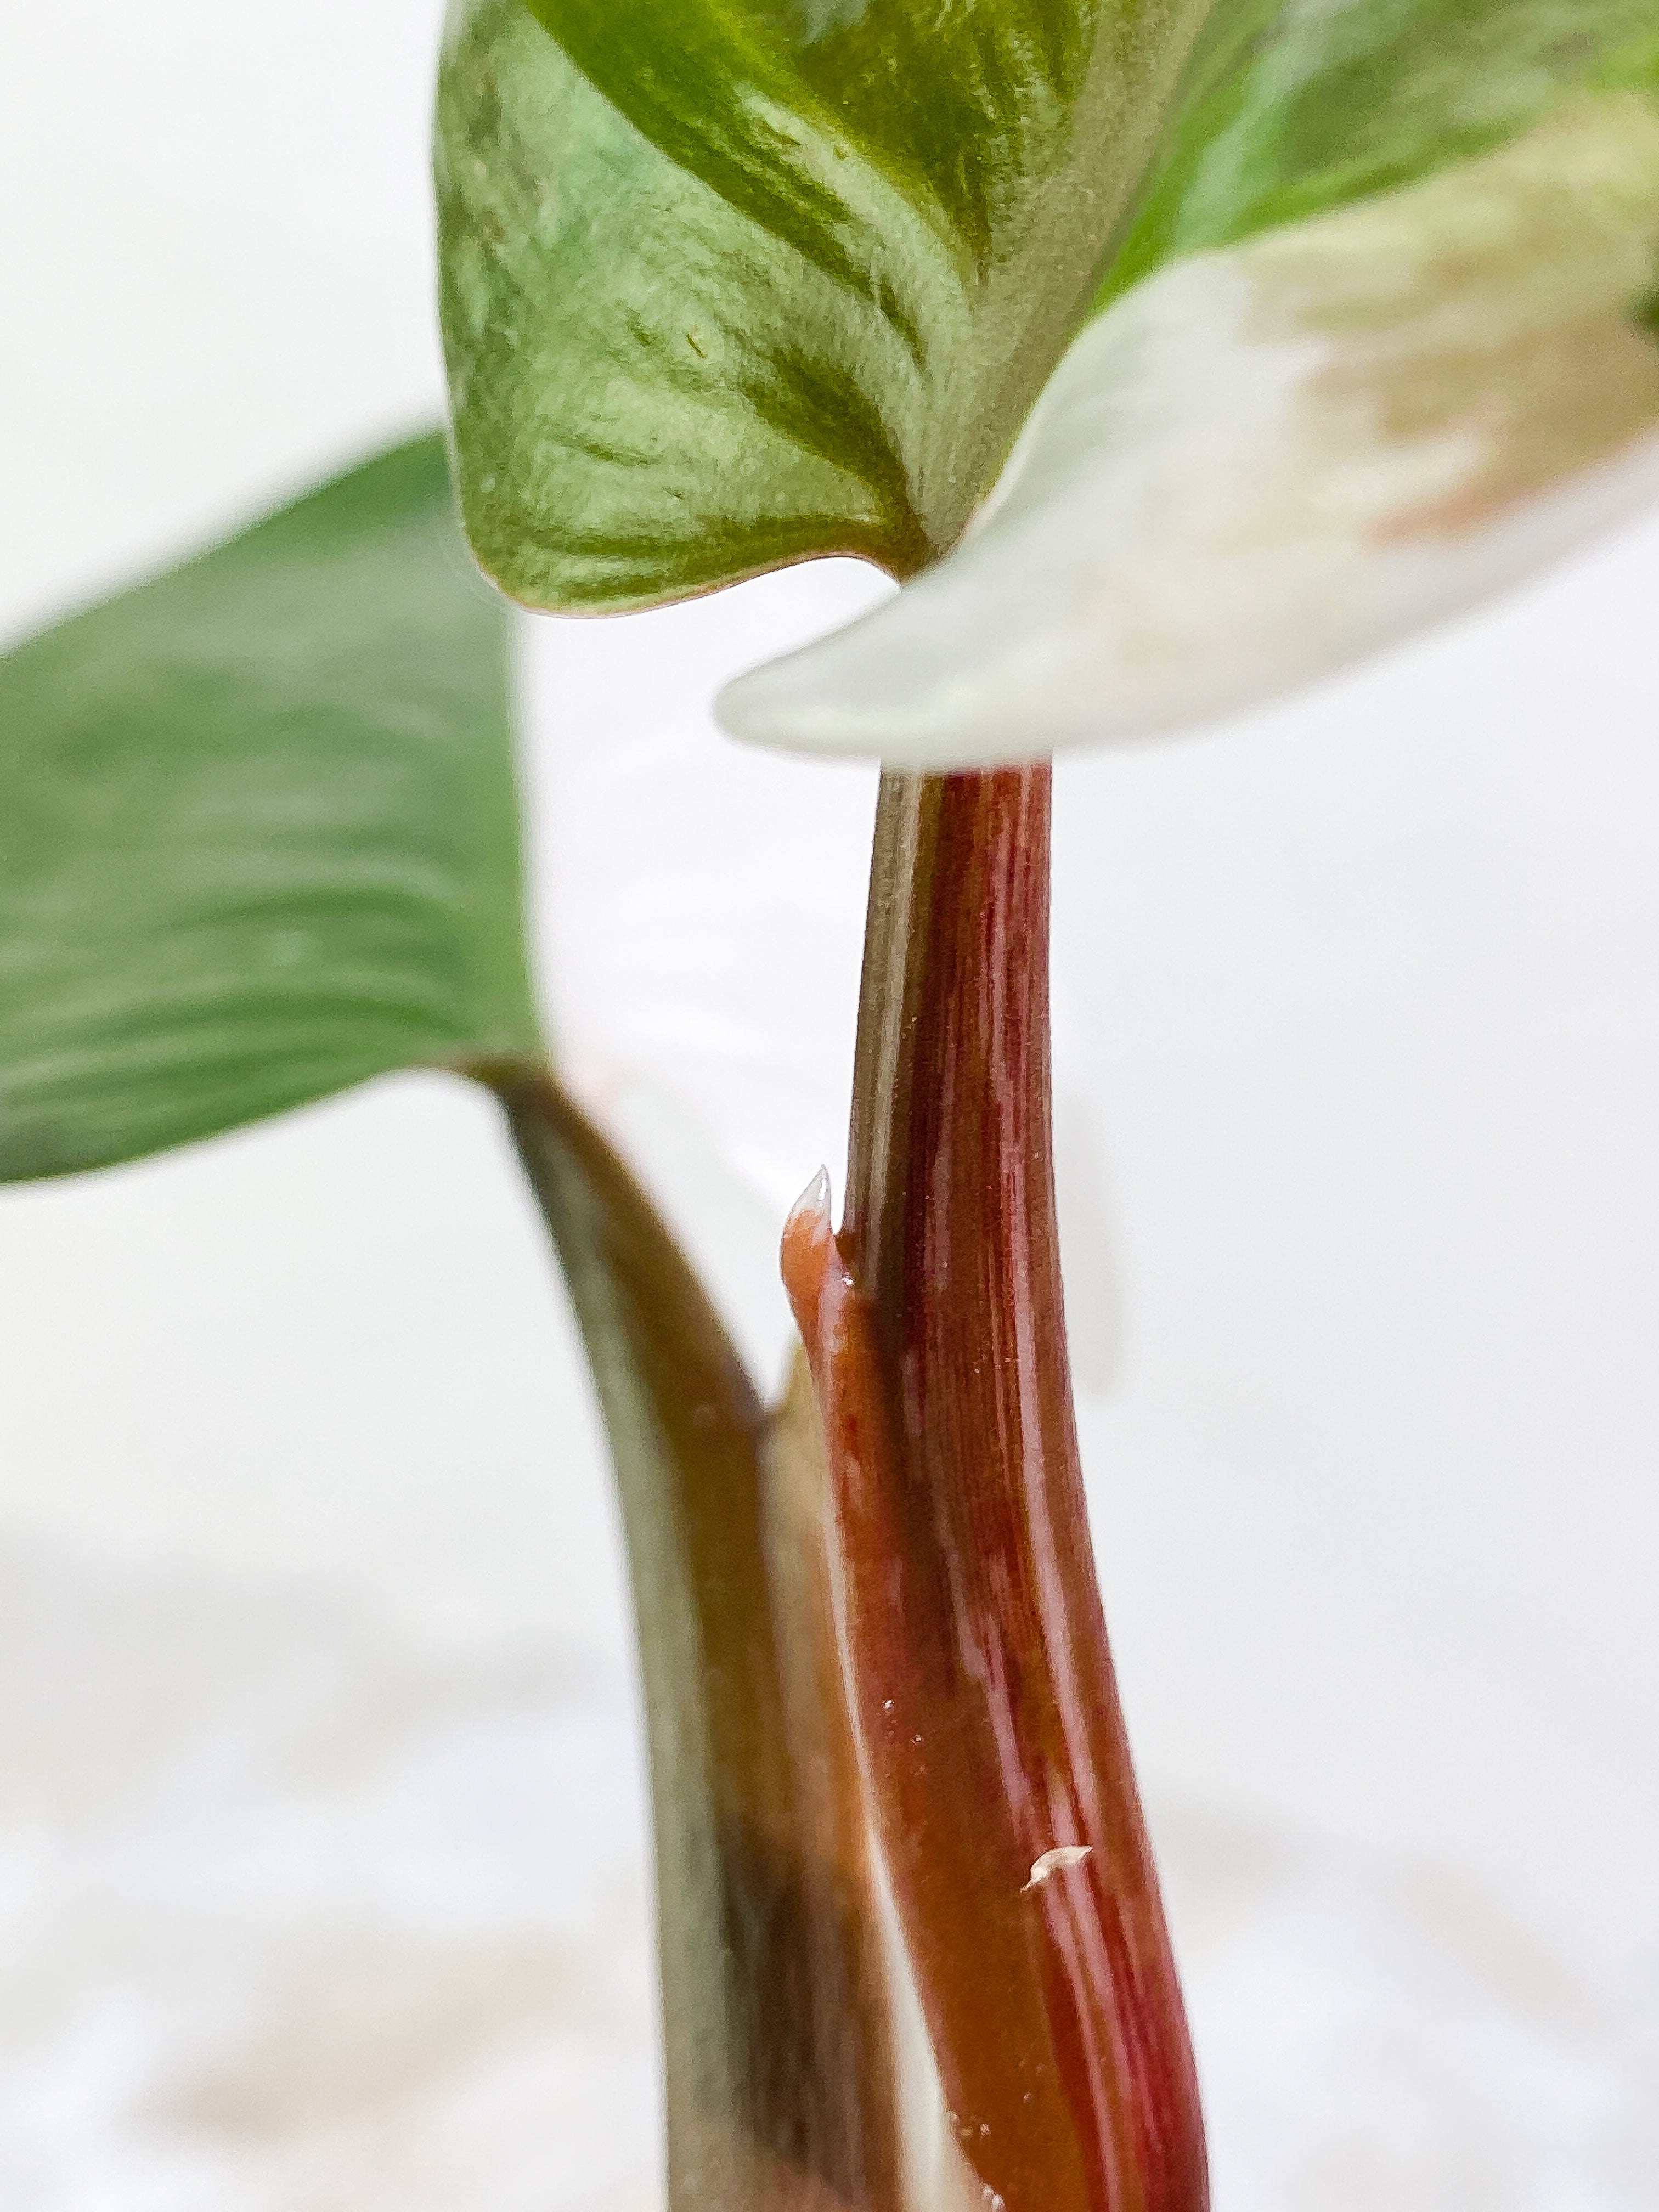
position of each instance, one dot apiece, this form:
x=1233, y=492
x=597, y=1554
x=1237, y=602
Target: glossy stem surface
x=993, y=1740
x=778, y=2053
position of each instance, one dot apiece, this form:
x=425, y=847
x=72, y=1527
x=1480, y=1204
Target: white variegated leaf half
x=1264, y=462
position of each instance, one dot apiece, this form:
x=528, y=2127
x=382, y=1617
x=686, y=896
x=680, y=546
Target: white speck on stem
x=1056, y=1862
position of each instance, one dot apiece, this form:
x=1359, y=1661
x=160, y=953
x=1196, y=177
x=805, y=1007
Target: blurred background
x=321, y=1842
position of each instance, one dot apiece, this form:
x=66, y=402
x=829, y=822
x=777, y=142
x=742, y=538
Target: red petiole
x=993, y=1742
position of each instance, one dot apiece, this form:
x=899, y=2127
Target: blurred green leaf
x=258, y=830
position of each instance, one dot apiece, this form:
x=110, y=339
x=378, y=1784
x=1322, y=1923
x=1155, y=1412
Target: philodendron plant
x=1168, y=353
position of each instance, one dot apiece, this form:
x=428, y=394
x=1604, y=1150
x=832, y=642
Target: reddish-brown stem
x=993, y=1743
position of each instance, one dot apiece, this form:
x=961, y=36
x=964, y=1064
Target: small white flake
x=1055, y=1862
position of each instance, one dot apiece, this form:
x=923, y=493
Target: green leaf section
x=1291, y=108
x=651, y=394
x=258, y=831
x=966, y=107
x=730, y=282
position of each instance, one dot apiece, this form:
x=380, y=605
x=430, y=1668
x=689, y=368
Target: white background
x=1364, y=994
